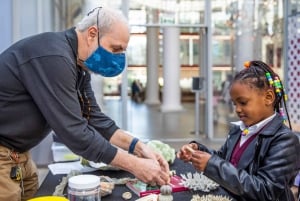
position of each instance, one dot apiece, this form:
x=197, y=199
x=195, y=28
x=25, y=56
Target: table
x=51, y=181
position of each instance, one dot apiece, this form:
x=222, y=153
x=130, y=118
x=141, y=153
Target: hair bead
x=269, y=78
x=247, y=64
x=277, y=86
x=281, y=112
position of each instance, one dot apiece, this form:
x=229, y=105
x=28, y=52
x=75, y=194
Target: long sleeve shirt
x=40, y=86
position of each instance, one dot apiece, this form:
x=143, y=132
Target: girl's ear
x=269, y=97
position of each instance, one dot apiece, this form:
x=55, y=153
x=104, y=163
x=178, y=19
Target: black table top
x=51, y=181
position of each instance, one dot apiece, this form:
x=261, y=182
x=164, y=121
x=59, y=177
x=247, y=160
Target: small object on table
x=59, y=189
x=165, y=190
x=150, y=197
x=164, y=149
x=198, y=181
x=127, y=195
x=190, y=149
x=142, y=189
x=165, y=193
x=106, y=188
x=172, y=173
x=98, y=166
x=210, y=198
x=119, y=181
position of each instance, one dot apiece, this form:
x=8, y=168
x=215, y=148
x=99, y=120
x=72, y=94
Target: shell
x=127, y=195
x=106, y=188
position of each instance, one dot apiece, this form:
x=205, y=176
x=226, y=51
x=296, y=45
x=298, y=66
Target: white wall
x=31, y=17
x=19, y=19
x=5, y=24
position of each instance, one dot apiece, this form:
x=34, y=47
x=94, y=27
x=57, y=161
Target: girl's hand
x=199, y=160
x=186, y=151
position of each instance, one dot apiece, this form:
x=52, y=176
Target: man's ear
x=92, y=33
x=269, y=97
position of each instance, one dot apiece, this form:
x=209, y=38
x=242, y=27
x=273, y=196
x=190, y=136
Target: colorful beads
x=269, y=78
x=277, y=85
x=281, y=112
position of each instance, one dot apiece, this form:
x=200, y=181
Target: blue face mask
x=106, y=63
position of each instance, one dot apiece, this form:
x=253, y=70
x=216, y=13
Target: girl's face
x=252, y=105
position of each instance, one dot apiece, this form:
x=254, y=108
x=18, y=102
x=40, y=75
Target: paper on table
x=65, y=168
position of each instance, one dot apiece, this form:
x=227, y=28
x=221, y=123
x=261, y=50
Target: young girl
x=260, y=157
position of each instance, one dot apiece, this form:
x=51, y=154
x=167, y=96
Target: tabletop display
x=194, y=186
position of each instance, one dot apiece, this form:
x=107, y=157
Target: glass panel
x=173, y=12
x=136, y=50
x=244, y=30
x=293, y=7
x=241, y=30
x=221, y=51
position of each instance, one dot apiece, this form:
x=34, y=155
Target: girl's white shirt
x=252, y=129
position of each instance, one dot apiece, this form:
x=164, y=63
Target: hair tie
x=247, y=64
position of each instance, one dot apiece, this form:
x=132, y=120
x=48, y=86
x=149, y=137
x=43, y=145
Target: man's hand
x=145, y=164
x=151, y=171
x=154, y=170
x=147, y=152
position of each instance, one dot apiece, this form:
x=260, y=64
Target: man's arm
x=146, y=170
x=124, y=140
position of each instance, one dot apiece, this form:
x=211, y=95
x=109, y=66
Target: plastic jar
x=84, y=188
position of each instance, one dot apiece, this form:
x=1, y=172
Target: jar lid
x=84, y=181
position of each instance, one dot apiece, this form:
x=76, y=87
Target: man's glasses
x=99, y=8
x=94, y=10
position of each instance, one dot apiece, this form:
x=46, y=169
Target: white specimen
x=198, y=181
x=210, y=198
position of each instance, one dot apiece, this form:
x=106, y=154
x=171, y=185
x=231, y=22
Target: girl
x=260, y=157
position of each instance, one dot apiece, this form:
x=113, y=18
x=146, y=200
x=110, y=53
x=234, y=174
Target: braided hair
x=260, y=75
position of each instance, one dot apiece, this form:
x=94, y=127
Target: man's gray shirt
x=40, y=85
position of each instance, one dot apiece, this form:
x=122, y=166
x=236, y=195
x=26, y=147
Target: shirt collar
x=71, y=36
x=256, y=127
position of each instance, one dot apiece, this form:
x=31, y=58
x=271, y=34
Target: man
x=45, y=84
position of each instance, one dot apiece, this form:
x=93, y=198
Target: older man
x=45, y=84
